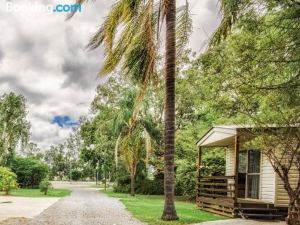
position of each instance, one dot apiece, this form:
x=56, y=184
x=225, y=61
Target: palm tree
x=137, y=49
x=134, y=143
x=169, y=212
x=133, y=148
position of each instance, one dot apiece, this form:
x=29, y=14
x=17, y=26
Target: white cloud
x=42, y=56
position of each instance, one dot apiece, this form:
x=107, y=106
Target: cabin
x=250, y=187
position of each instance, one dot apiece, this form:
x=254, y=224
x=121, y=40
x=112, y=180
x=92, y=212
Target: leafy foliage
x=253, y=74
x=214, y=163
x=14, y=127
x=45, y=185
x=186, y=179
x=56, y=160
x=8, y=180
x=30, y=172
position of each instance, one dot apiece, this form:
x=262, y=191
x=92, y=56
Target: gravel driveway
x=85, y=206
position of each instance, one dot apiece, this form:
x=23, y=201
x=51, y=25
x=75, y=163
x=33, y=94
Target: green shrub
x=8, y=180
x=122, y=184
x=151, y=187
x=214, y=166
x=186, y=179
x=143, y=185
x=30, y=172
x=76, y=175
x=45, y=185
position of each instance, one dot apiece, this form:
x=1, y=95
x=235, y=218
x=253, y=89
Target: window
x=249, y=174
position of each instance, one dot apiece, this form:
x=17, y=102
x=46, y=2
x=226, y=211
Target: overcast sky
x=42, y=57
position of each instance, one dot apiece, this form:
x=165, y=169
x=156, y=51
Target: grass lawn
x=33, y=193
x=148, y=208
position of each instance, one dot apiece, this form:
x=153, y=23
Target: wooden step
x=260, y=214
x=255, y=215
x=259, y=209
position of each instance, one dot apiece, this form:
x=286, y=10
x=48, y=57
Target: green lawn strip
x=148, y=208
x=36, y=193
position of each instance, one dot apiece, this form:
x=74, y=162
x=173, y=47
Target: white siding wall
x=230, y=161
x=230, y=164
x=267, y=181
x=267, y=190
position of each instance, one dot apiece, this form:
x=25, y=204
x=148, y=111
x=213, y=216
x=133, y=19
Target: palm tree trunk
x=170, y=64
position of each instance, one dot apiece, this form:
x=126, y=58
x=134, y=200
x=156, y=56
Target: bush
x=8, y=180
x=186, y=179
x=214, y=166
x=151, y=187
x=45, y=185
x=122, y=184
x=143, y=185
x=76, y=175
x=30, y=172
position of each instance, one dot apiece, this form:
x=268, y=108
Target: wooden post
x=199, y=157
x=198, y=173
x=236, y=168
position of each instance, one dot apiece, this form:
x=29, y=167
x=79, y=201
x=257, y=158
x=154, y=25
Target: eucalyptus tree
x=32, y=150
x=72, y=148
x=55, y=158
x=14, y=127
x=102, y=131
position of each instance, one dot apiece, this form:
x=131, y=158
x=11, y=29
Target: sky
x=43, y=57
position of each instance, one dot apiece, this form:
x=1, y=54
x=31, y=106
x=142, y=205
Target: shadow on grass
x=148, y=208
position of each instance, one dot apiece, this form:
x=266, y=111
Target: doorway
x=249, y=174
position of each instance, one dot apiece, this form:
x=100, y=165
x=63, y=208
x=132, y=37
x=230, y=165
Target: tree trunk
x=169, y=212
x=104, y=180
x=132, y=185
x=293, y=211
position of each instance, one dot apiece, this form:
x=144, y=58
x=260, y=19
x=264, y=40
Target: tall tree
x=169, y=212
x=56, y=160
x=14, y=127
x=133, y=150
x=137, y=49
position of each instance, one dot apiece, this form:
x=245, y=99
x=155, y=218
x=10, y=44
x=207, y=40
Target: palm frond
x=107, y=31
x=140, y=57
x=114, y=57
x=132, y=147
x=230, y=10
x=161, y=13
x=184, y=28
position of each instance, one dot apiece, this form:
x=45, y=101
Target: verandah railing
x=216, y=186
